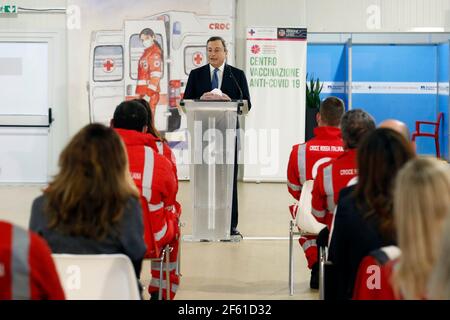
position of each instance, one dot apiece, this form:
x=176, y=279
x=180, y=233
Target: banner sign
x=276, y=74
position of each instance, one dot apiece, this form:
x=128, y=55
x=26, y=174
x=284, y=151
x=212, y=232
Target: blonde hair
x=439, y=286
x=421, y=202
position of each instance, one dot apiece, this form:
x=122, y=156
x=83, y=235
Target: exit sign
x=7, y=8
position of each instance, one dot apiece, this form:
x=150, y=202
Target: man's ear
x=111, y=123
x=318, y=118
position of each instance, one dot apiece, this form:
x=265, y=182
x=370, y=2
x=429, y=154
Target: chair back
x=439, y=119
x=97, y=277
x=305, y=221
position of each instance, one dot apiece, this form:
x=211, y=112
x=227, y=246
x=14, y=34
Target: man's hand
x=214, y=96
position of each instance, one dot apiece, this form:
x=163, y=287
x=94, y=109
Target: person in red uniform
x=307, y=157
x=160, y=145
x=154, y=177
x=150, y=68
x=27, y=270
x=338, y=174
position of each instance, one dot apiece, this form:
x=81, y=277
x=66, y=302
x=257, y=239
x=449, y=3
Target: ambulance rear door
x=134, y=50
x=106, y=80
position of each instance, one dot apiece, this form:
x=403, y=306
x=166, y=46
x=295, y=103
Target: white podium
x=212, y=143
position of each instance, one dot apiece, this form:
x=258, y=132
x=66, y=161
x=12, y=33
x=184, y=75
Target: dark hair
x=147, y=32
x=355, y=124
x=331, y=111
x=130, y=115
x=381, y=155
x=218, y=39
x=89, y=194
x=150, y=123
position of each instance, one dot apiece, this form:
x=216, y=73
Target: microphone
x=241, y=95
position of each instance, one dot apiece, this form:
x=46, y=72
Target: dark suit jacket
x=353, y=238
x=199, y=82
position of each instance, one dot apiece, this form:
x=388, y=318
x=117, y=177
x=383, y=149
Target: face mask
x=147, y=43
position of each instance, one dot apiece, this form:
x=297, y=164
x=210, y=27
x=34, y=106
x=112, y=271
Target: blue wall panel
x=443, y=63
x=397, y=63
x=328, y=62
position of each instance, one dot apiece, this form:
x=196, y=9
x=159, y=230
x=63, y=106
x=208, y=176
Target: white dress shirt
x=219, y=73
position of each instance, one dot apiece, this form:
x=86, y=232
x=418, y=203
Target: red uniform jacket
x=27, y=270
x=149, y=71
x=163, y=149
x=373, y=281
x=153, y=175
x=307, y=157
x=331, y=178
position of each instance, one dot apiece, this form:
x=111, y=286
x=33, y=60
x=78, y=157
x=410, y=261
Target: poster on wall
x=145, y=49
x=276, y=73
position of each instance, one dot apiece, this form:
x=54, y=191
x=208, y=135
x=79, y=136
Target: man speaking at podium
x=220, y=81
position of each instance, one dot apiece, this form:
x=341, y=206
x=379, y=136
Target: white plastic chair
x=307, y=224
x=97, y=277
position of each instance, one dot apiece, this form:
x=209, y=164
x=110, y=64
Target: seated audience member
x=439, y=286
x=364, y=219
x=27, y=270
x=304, y=160
x=92, y=205
x=342, y=171
x=421, y=205
x=154, y=177
x=339, y=173
x=161, y=146
x=396, y=125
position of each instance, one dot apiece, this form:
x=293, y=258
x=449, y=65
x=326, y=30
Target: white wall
x=317, y=15
x=263, y=13
x=340, y=16
x=43, y=25
x=361, y=15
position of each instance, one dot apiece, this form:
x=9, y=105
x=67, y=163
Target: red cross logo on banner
x=255, y=49
x=197, y=58
x=108, y=65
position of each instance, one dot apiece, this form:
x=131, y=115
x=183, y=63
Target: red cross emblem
x=108, y=65
x=255, y=49
x=197, y=58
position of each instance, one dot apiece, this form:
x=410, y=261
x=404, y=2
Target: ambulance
x=114, y=57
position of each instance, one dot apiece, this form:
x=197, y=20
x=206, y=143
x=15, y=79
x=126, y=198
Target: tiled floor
x=251, y=269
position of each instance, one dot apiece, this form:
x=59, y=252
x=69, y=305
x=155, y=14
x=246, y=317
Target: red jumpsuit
x=153, y=175
x=331, y=178
x=163, y=149
x=150, y=70
x=303, y=164
x=27, y=270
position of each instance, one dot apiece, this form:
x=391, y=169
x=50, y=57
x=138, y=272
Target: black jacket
x=353, y=237
x=199, y=82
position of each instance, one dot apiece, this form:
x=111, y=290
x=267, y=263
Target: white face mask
x=147, y=43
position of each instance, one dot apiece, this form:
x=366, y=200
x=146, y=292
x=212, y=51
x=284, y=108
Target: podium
x=212, y=145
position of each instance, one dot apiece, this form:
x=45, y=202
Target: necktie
x=215, y=80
